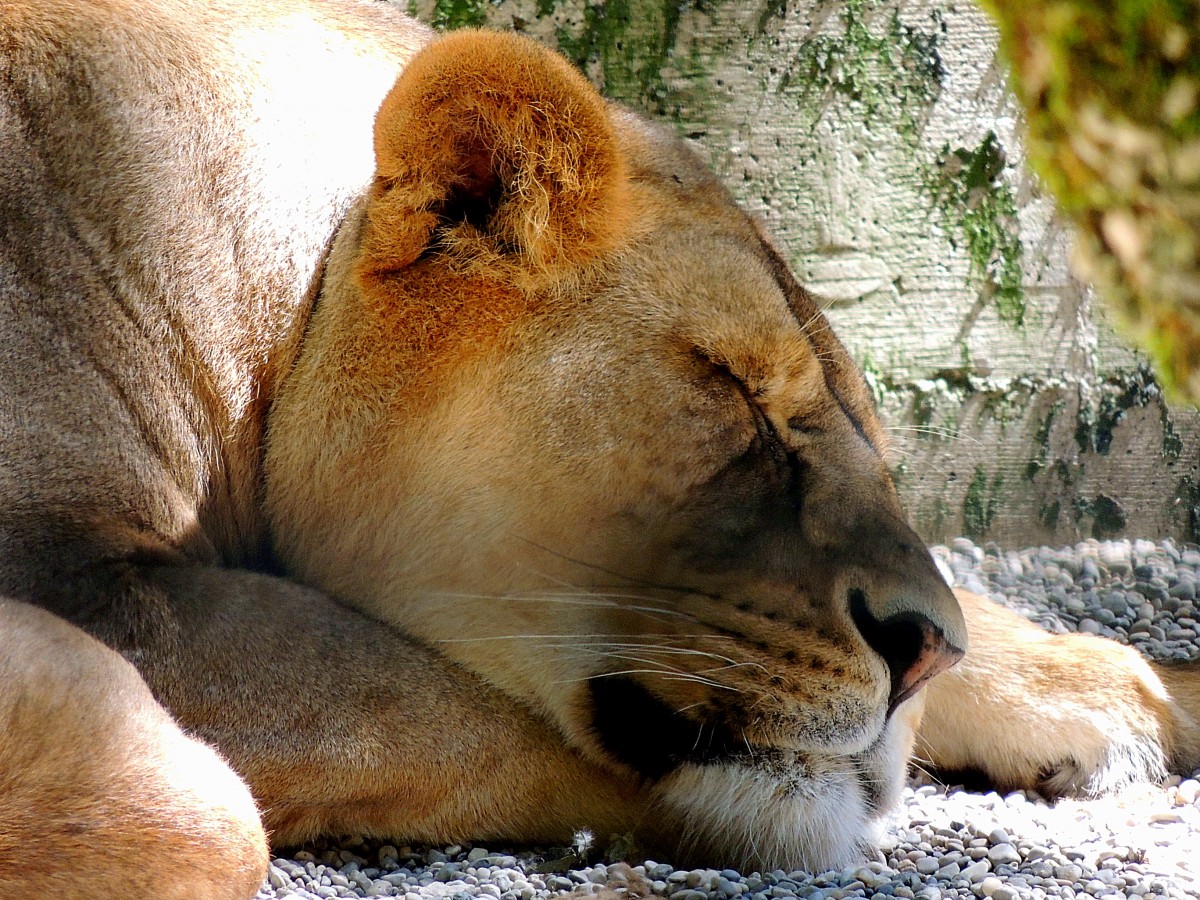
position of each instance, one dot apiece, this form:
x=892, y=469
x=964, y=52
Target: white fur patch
x=787, y=820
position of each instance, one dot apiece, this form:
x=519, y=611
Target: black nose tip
x=914, y=648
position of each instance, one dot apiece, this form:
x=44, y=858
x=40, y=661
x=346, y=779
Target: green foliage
x=1112, y=93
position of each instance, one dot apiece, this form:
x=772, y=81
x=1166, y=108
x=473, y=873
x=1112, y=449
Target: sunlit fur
x=1097, y=735
x=476, y=470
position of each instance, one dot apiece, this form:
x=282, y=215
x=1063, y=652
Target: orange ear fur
x=504, y=136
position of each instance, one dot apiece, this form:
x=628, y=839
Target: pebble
x=944, y=843
x=977, y=871
x=1188, y=791
x=1004, y=854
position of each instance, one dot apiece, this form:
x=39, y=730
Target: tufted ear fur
x=492, y=146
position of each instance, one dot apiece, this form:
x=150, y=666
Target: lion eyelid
x=800, y=424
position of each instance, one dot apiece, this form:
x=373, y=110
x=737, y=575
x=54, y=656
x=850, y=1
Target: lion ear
x=491, y=135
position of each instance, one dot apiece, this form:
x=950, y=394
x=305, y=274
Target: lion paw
x=1061, y=714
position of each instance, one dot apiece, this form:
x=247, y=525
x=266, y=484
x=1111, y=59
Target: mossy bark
x=1112, y=93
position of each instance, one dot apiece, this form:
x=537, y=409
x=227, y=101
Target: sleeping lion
x=451, y=459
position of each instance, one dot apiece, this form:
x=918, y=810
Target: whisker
x=735, y=665
x=665, y=675
x=627, y=657
x=687, y=676
x=689, y=651
x=580, y=598
x=607, y=601
x=533, y=635
x=627, y=578
x=948, y=433
x=668, y=670
x=820, y=311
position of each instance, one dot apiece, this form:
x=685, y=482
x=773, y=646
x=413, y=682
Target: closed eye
x=787, y=461
x=803, y=425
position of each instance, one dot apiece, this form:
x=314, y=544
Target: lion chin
x=454, y=460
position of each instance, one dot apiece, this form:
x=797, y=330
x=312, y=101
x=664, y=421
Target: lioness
x=486, y=480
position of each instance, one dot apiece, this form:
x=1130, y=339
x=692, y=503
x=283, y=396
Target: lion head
x=564, y=414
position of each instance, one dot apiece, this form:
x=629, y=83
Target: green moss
x=772, y=9
x=924, y=405
x=875, y=60
x=451, y=14
x=1106, y=513
x=892, y=72
x=941, y=517
x=1085, y=425
x=1067, y=473
x=969, y=187
x=1111, y=412
x=627, y=43
x=1041, y=442
x=980, y=503
x=1004, y=407
x=1172, y=443
x=1187, y=502
x=875, y=379
x=1120, y=392
x=623, y=46
x=1049, y=514
x=935, y=404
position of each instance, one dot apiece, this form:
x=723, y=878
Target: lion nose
x=914, y=648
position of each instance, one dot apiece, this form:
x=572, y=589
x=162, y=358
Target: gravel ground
x=942, y=842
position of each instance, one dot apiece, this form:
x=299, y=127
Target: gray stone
x=1004, y=854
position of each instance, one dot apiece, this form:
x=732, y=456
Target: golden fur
x=562, y=507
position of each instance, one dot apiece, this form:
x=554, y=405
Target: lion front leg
x=1063, y=714
x=341, y=725
x=92, y=768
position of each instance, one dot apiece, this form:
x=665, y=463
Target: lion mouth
x=643, y=732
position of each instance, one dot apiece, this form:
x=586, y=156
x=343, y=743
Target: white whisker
x=666, y=675
x=735, y=665
x=593, y=638
x=606, y=601
x=947, y=433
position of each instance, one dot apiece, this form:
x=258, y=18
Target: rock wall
x=881, y=145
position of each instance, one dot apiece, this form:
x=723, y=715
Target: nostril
x=914, y=648
x=898, y=641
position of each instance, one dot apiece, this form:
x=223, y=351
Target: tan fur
x=491, y=113
x=1049, y=720
x=563, y=508
x=100, y=791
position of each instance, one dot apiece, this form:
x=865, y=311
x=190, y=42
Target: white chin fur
x=787, y=810
x=767, y=820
